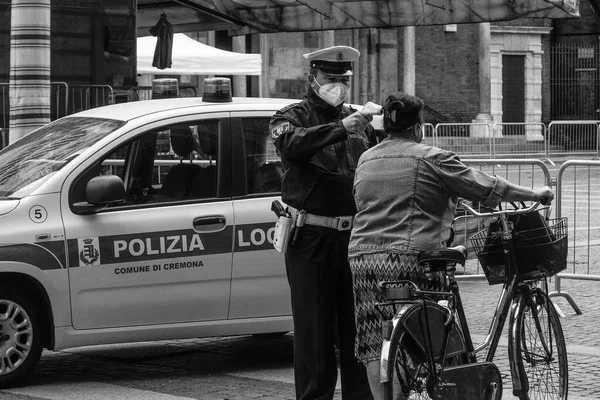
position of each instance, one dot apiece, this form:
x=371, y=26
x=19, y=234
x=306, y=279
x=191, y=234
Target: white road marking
x=90, y=391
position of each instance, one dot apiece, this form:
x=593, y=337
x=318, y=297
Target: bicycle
x=428, y=352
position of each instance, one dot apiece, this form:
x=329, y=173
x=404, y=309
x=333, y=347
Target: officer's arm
x=372, y=135
x=295, y=142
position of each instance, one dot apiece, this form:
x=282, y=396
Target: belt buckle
x=344, y=223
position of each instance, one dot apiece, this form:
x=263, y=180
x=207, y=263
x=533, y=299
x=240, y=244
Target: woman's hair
x=401, y=111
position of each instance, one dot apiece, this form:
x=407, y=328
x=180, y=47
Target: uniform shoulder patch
x=283, y=127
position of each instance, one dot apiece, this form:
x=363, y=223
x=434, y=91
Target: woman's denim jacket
x=406, y=194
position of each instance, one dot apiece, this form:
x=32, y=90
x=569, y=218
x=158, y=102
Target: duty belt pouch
x=283, y=232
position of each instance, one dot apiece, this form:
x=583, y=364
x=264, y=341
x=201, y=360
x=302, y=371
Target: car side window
x=263, y=165
x=173, y=163
x=189, y=170
x=113, y=164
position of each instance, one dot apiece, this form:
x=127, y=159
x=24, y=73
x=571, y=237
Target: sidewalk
x=247, y=367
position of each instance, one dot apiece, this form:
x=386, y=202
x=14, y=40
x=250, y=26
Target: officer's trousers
x=323, y=306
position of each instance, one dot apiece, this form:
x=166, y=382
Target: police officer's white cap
x=335, y=60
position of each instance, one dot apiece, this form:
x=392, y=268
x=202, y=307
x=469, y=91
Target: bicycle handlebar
x=474, y=213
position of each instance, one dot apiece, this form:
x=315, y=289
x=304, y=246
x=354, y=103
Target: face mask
x=333, y=93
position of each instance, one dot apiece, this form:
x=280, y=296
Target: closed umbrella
x=163, y=31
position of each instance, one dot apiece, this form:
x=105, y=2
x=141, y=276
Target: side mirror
x=104, y=190
x=100, y=192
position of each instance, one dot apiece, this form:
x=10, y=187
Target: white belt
x=341, y=223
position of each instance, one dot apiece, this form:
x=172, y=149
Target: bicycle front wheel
x=418, y=349
x=537, y=348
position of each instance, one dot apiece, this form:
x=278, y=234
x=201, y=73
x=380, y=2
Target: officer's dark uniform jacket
x=318, y=155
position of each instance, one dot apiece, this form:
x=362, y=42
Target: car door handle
x=211, y=223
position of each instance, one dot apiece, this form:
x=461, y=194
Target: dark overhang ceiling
x=251, y=16
x=185, y=15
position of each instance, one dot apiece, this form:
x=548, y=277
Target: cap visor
x=347, y=73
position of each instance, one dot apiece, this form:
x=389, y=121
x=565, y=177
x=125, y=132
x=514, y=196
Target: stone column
x=238, y=45
x=388, y=62
x=362, y=69
x=485, y=84
x=263, y=82
x=29, y=86
x=373, y=64
x=409, y=77
x=327, y=39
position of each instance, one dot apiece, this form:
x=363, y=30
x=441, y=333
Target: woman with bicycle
x=406, y=194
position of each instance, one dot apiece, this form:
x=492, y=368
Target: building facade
x=93, y=43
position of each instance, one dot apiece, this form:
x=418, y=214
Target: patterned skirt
x=367, y=271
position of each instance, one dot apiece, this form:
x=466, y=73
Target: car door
x=163, y=255
x=259, y=286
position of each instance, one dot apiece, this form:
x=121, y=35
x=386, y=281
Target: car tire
x=20, y=335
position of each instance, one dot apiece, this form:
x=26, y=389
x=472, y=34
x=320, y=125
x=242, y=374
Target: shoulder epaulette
x=289, y=107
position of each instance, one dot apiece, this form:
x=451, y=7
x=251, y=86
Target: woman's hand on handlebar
x=544, y=195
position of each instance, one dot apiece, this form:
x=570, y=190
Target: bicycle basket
x=540, y=252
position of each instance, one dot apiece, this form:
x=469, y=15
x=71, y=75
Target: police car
x=142, y=221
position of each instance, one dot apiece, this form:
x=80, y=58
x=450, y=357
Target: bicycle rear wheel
x=411, y=359
x=538, y=349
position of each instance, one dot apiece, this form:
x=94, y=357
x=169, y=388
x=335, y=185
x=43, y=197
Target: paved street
x=248, y=367
x=260, y=368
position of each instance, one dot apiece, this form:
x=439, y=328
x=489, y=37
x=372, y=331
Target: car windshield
x=27, y=163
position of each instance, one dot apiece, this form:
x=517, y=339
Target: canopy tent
x=191, y=57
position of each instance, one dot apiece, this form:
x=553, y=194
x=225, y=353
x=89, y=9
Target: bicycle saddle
x=438, y=257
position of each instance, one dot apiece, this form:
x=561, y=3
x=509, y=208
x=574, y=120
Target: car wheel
x=20, y=335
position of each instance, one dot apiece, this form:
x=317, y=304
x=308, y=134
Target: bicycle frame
x=501, y=313
x=512, y=287
x=508, y=299
x=450, y=361
x=415, y=301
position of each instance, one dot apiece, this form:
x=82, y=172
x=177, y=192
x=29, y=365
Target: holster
x=283, y=233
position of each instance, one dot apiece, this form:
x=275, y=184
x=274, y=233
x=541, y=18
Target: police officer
x=320, y=140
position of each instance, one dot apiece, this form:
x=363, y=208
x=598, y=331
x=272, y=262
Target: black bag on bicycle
x=540, y=247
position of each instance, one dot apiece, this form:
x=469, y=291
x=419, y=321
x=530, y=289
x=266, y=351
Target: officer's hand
x=356, y=123
x=544, y=193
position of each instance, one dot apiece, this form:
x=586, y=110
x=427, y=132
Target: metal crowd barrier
x=60, y=99
x=574, y=138
x=475, y=140
x=85, y=97
x=577, y=199
x=161, y=167
x=428, y=130
x=532, y=141
x=145, y=92
x=517, y=139
x=471, y=140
